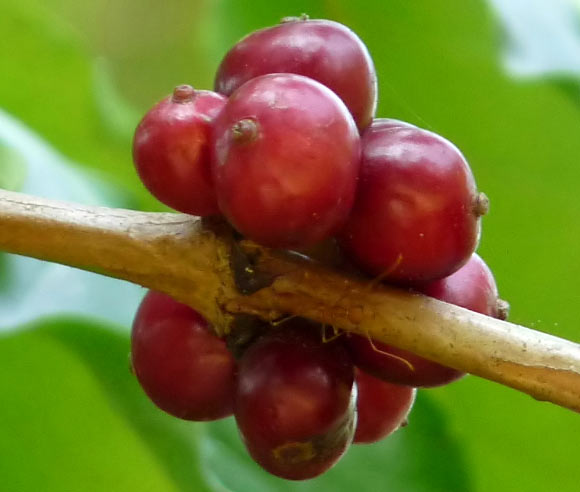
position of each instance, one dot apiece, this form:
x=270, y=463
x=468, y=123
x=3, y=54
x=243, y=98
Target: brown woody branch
x=191, y=261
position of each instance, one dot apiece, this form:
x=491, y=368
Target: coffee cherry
x=294, y=404
x=320, y=49
x=381, y=407
x=416, y=215
x=286, y=161
x=472, y=287
x=183, y=367
x=171, y=150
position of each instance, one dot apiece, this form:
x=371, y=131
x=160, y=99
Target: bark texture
x=202, y=264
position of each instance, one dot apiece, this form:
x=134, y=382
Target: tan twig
x=190, y=260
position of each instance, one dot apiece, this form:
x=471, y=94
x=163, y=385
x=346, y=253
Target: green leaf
x=12, y=168
x=423, y=456
x=74, y=417
x=48, y=82
x=117, y=116
x=540, y=41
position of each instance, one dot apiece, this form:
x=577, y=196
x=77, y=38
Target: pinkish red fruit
x=183, y=367
x=294, y=404
x=381, y=407
x=171, y=150
x=286, y=161
x=416, y=215
x=320, y=49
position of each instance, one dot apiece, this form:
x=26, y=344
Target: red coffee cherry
x=320, y=49
x=183, y=367
x=286, y=161
x=472, y=287
x=294, y=404
x=416, y=215
x=381, y=407
x=171, y=150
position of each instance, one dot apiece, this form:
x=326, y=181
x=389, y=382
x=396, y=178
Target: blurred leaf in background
x=498, y=78
x=73, y=420
x=30, y=288
x=540, y=38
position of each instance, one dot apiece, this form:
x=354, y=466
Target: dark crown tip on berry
x=481, y=204
x=503, y=309
x=183, y=94
x=245, y=131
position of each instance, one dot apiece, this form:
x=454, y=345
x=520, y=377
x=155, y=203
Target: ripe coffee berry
x=320, y=49
x=472, y=287
x=183, y=367
x=416, y=215
x=294, y=404
x=286, y=161
x=381, y=407
x=171, y=150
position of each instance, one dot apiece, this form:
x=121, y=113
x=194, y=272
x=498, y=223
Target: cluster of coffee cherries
x=288, y=150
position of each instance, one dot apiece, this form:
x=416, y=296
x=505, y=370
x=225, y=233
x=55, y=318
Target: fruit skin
x=472, y=287
x=286, y=161
x=171, y=150
x=390, y=124
x=415, y=217
x=183, y=367
x=323, y=50
x=382, y=407
x=294, y=404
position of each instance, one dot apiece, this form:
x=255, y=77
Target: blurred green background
x=498, y=78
